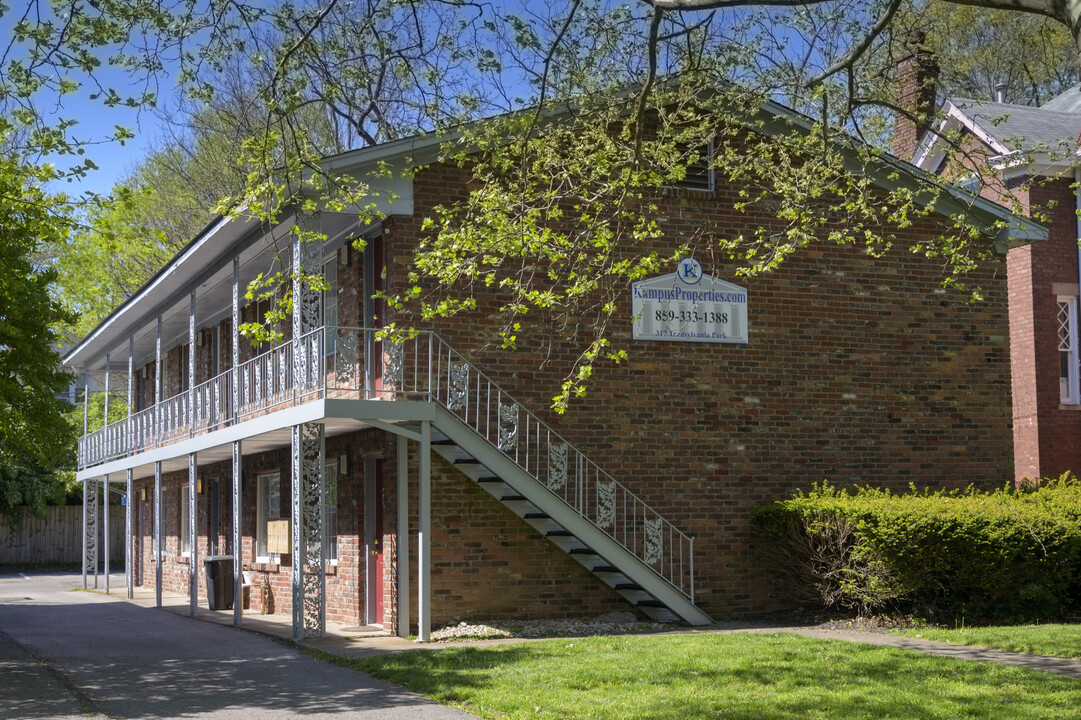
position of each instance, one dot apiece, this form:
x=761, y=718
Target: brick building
x=417, y=484
x=1027, y=155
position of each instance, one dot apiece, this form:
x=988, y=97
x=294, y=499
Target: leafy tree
x=316, y=77
x=34, y=434
x=1032, y=56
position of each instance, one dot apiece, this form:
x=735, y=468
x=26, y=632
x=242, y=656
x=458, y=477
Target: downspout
x=1077, y=221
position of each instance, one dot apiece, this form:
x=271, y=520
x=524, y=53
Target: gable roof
x=204, y=259
x=1045, y=135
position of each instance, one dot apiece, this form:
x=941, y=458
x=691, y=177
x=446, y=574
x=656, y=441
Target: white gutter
x=1077, y=216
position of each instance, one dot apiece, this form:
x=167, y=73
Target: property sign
x=689, y=306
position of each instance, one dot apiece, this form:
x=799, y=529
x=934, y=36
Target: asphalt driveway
x=69, y=654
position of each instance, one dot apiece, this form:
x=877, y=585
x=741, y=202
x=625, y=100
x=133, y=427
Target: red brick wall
x=1047, y=435
x=857, y=370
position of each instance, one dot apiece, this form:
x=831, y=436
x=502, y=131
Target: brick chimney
x=917, y=82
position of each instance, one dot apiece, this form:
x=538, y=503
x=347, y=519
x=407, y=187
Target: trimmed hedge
x=1006, y=553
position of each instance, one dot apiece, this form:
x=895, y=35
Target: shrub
x=1000, y=553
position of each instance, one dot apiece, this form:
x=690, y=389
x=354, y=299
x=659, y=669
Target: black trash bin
x=219, y=581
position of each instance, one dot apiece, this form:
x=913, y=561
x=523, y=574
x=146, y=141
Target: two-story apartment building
x=408, y=484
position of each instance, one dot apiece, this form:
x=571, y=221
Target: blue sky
x=94, y=120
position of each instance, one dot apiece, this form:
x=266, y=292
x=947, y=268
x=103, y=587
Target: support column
x=238, y=550
x=403, y=536
x=191, y=366
x=129, y=495
x=90, y=530
x=235, y=332
x=159, y=551
x=87, y=375
x=157, y=384
x=105, y=481
x=309, y=543
x=129, y=490
x=86, y=545
x=105, y=527
x=424, y=540
x=193, y=536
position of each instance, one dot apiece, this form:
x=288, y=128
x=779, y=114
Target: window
x=331, y=484
x=330, y=302
x=1069, y=393
x=185, y=522
x=699, y=175
x=270, y=506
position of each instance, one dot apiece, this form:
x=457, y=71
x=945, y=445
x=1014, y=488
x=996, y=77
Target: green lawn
x=1053, y=639
x=722, y=676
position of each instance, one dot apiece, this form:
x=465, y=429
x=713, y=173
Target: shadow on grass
x=731, y=676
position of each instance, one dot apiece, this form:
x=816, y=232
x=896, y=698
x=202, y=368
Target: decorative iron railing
x=422, y=368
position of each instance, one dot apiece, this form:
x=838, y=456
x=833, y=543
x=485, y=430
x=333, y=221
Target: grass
x=1060, y=640
x=743, y=676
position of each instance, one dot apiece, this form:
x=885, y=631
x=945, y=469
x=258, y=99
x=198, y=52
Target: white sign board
x=689, y=306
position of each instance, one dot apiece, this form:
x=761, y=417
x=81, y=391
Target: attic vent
x=700, y=175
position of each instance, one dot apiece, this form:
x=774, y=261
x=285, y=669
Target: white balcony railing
x=423, y=368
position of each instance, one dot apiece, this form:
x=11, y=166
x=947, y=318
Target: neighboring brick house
x=1029, y=155
x=854, y=369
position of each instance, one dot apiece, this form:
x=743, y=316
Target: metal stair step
x=651, y=603
x=512, y=498
x=559, y=533
x=444, y=442
x=605, y=569
x=489, y=479
x=627, y=586
x=467, y=461
x=583, y=551
x=536, y=516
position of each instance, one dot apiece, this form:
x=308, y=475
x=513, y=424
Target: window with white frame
x=185, y=522
x=269, y=508
x=331, y=484
x=1069, y=392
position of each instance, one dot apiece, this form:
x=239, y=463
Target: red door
x=373, y=534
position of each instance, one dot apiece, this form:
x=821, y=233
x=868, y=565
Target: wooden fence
x=57, y=537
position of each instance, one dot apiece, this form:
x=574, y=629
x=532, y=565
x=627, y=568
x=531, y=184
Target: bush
x=1006, y=553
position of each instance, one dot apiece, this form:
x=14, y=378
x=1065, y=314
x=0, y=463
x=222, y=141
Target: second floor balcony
x=326, y=363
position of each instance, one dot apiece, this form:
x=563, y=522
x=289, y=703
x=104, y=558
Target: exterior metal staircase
x=523, y=463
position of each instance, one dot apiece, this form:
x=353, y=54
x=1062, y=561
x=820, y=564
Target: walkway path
x=64, y=652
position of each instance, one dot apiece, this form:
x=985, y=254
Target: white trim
x=365, y=412
x=1069, y=385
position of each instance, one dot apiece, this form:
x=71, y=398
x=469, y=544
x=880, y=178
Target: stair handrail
x=564, y=470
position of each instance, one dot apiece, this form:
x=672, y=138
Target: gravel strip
x=610, y=624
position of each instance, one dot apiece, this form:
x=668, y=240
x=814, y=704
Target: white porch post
x=424, y=556
x=129, y=576
x=130, y=488
x=235, y=333
x=105, y=479
x=87, y=377
x=238, y=550
x=193, y=536
x=193, y=471
x=238, y=547
x=105, y=526
x=159, y=552
x=403, y=536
